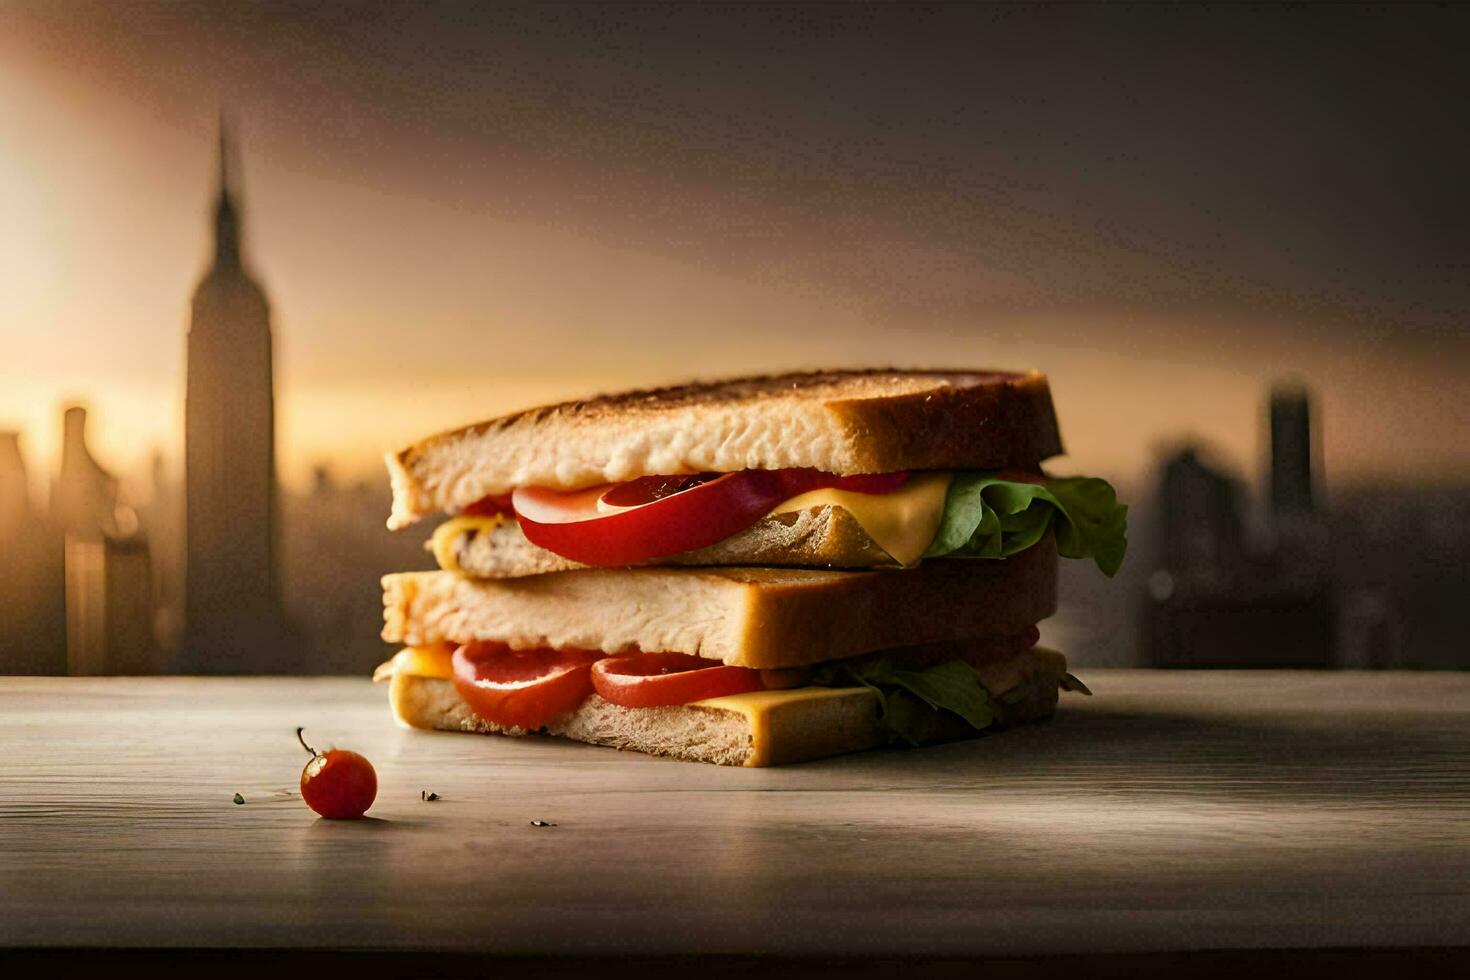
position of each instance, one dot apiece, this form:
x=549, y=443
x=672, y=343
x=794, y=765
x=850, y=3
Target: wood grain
x=1171, y=811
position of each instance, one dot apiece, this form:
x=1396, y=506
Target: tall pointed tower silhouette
x=232, y=618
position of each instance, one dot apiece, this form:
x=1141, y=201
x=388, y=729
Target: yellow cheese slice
x=902, y=523
x=845, y=717
x=446, y=535
x=431, y=661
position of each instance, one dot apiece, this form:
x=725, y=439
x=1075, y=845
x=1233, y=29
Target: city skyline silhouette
x=185, y=574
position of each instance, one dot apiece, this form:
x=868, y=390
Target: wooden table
x=1173, y=811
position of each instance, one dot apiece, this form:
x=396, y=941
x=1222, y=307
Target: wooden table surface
x=1171, y=811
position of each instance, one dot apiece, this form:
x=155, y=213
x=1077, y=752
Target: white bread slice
x=840, y=422
x=771, y=728
x=817, y=537
x=751, y=617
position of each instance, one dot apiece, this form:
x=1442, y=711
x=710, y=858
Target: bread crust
x=843, y=422
x=1025, y=687
x=752, y=617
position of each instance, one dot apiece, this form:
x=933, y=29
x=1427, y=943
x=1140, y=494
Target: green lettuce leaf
x=989, y=517
x=911, y=702
x=1072, y=684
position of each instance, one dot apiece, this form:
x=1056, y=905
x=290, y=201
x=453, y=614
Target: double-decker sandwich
x=750, y=572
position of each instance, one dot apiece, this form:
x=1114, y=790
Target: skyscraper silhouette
x=84, y=496
x=232, y=616
x=32, y=615
x=1291, y=451
x=15, y=489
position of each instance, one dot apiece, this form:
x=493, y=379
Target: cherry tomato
x=338, y=784
x=627, y=523
x=521, y=688
x=647, y=680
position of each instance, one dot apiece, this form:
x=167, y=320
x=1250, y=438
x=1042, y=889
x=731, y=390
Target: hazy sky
x=458, y=210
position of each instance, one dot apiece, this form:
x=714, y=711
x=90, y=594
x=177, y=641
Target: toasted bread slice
x=842, y=422
x=763, y=729
x=818, y=537
x=751, y=617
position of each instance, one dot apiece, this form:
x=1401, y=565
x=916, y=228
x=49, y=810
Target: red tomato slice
x=525, y=688
x=874, y=483
x=489, y=506
x=647, y=489
x=647, y=680
x=651, y=517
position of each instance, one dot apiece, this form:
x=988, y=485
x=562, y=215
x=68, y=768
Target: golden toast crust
x=843, y=422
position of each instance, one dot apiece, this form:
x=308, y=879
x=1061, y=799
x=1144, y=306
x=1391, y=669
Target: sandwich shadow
x=1357, y=760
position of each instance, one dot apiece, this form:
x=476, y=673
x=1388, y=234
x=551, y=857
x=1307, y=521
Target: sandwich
x=749, y=572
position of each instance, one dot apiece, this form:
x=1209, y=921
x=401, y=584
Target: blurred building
x=109, y=606
x=108, y=583
x=1292, y=453
x=83, y=495
x=1216, y=601
x=1203, y=534
x=32, y=610
x=15, y=489
x=162, y=516
x=337, y=547
x=232, y=616
x=1402, y=557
